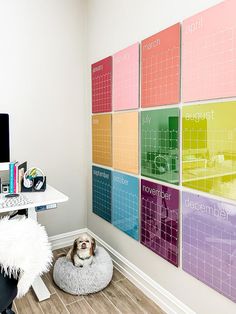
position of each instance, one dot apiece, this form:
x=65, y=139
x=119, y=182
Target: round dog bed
x=84, y=280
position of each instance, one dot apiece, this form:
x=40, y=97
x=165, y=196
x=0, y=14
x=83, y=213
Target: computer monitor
x=4, y=138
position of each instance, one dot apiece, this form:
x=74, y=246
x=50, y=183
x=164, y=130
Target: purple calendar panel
x=102, y=85
x=160, y=220
x=209, y=242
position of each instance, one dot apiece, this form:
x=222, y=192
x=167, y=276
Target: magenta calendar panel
x=102, y=85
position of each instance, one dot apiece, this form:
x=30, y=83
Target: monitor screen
x=4, y=135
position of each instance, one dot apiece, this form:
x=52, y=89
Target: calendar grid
x=160, y=145
x=209, y=149
x=161, y=68
x=209, y=242
x=102, y=192
x=102, y=86
x=125, y=142
x=126, y=78
x=209, y=54
x=102, y=144
x=125, y=204
x=159, y=220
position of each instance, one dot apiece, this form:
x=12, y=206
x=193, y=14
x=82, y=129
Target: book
x=22, y=168
x=11, y=176
x=16, y=177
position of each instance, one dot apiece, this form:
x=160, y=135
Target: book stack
x=16, y=175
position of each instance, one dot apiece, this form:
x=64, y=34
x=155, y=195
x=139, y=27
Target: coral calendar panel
x=161, y=68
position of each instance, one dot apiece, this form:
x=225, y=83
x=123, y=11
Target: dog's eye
x=87, y=241
x=80, y=241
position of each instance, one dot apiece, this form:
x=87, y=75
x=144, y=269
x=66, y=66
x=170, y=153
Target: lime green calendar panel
x=209, y=148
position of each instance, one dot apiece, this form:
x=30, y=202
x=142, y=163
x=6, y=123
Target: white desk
x=50, y=196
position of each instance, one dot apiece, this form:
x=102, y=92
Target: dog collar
x=83, y=258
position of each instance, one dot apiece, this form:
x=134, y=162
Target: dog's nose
x=83, y=245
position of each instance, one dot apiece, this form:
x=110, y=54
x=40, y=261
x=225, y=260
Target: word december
x=210, y=210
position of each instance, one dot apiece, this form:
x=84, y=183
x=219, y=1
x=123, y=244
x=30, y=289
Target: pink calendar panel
x=102, y=85
x=160, y=68
x=126, y=78
x=209, y=53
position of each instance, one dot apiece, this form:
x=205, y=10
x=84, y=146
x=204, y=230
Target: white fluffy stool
x=85, y=280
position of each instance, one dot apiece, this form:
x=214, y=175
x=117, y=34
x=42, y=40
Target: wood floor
x=121, y=296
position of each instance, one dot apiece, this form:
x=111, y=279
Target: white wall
x=113, y=25
x=42, y=70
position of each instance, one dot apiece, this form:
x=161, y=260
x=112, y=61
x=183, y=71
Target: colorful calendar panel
x=102, y=147
x=161, y=68
x=102, y=85
x=159, y=220
x=209, y=242
x=125, y=204
x=102, y=192
x=125, y=142
x=126, y=78
x=160, y=144
x=209, y=53
x=209, y=148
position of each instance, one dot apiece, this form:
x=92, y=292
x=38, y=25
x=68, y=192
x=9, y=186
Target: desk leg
x=38, y=285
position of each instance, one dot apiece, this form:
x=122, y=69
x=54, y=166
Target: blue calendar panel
x=102, y=192
x=125, y=204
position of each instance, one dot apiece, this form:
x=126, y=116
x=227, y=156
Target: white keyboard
x=20, y=200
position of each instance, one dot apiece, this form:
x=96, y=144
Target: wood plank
x=28, y=304
x=121, y=300
x=53, y=306
x=65, y=297
x=48, y=283
x=117, y=275
x=80, y=307
x=100, y=304
x=139, y=297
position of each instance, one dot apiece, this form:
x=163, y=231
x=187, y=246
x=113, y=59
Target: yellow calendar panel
x=125, y=141
x=209, y=148
x=102, y=148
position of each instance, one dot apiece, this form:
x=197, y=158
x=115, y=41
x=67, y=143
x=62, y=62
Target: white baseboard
x=65, y=239
x=168, y=302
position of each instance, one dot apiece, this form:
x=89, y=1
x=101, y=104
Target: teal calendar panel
x=125, y=204
x=102, y=192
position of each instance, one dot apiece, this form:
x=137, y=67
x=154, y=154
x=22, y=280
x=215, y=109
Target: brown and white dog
x=82, y=252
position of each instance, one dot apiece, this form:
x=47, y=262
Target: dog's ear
x=93, y=247
x=73, y=251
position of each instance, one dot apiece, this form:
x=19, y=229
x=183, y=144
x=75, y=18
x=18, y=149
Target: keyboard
x=14, y=201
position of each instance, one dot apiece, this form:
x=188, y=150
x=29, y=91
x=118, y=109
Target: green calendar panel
x=160, y=144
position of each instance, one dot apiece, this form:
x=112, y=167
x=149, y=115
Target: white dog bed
x=84, y=280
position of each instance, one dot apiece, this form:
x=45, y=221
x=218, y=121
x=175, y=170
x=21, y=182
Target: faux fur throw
x=25, y=252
